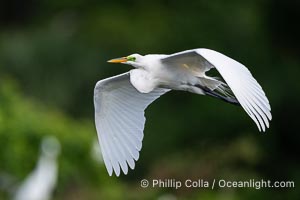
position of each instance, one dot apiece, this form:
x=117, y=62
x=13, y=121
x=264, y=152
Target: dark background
x=53, y=52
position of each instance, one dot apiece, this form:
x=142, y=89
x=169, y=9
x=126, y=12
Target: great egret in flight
x=120, y=101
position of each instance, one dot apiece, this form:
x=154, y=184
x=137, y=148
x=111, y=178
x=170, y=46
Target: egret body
x=41, y=182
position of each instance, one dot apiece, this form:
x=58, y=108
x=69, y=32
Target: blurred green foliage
x=53, y=52
x=25, y=122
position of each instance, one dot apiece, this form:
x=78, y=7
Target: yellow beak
x=118, y=60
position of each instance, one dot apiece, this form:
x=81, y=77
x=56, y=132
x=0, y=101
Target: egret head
x=133, y=59
x=50, y=146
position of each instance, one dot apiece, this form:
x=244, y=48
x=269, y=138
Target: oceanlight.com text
x=212, y=184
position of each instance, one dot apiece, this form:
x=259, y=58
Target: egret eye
x=131, y=58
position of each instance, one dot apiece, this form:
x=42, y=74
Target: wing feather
x=120, y=120
x=246, y=89
x=238, y=78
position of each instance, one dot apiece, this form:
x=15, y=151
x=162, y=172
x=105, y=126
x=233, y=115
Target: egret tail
x=227, y=98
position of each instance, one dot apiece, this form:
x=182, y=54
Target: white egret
x=120, y=101
x=40, y=184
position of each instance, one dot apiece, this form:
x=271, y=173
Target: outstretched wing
x=119, y=118
x=189, y=59
x=239, y=79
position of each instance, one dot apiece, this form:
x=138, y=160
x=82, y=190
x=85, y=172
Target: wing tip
x=110, y=172
x=117, y=171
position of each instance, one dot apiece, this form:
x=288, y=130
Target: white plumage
x=120, y=101
x=41, y=182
